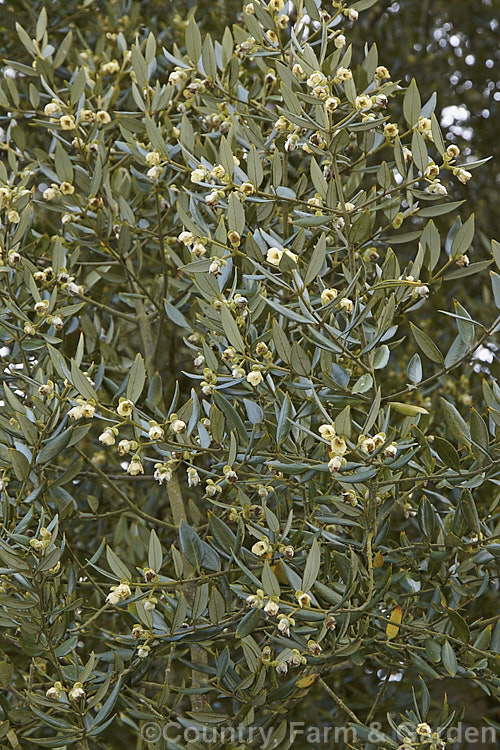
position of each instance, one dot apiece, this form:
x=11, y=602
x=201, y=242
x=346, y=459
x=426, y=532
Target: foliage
x=246, y=470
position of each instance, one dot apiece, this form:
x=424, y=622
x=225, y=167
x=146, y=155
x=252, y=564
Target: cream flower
x=303, y=599
x=424, y=730
x=254, y=378
x=75, y=413
x=193, y=477
x=107, y=437
x=152, y=158
x=155, y=431
x=175, y=77
x=422, y=291
x=199, y=249
x=187, y=238
x=347, y=305
x=272, y=608
x=163, y=474
x=328, y=295
x=154, y=173
x=367, y=446
x=54, y=693
x=67, y=188
x=438, y=188
x=124, y=447
x=391, y=450
x=198, y=175
x=14, y=257
x=452, y=151
x=335, y=463
x=316, y=79
x=51, y=109
x=343, y=74
x=256, y=600
x=117, y=593
x=432, y=171
x=41, y=307
x=274, y=255
x=424, y=125
x=77, y=692
x=124, y=408
x=67, y=122
x=327, y=431
x=320, y=92
x=102, y=117
x=463, y=176
x=218, y=172
x=88, y=410
x=391, y=130
x=178, y=426
x=284, y=624
x=49, y=194
x=382, y=72
x=332, y=103
x=247, y=188
x=86, y=115
x=135, y=467
x=338, y=445
x=110, y=67
x=215, y=267
x=363, y=102
x=262, y=547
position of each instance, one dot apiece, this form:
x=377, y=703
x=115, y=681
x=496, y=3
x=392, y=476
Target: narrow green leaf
x=414, y=369
x=426, y=344
x=136, y=379
x=281, y=342
x=283, y=426
x=191, y=545
x=117, y=566
x=317, y=260
x=235, y=214
x=412, y=104
x=269, y=581
x=455, y=423
x=463, y=238
x=155, y=554
x=231, y=329
x=193, y=40
x=312, y=566
x=495, y=283
x=449, y=659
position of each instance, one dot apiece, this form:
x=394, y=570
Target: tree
x=245, y=478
